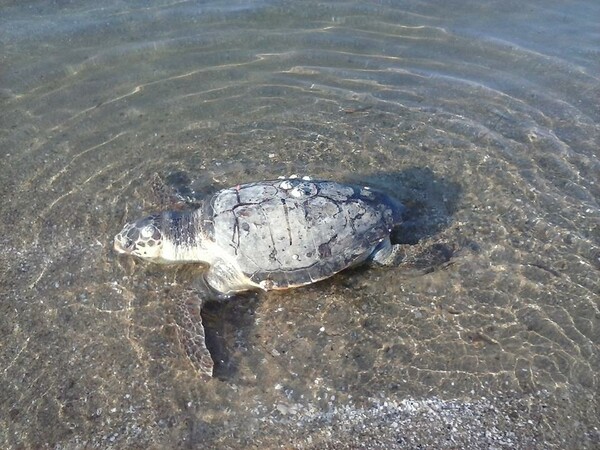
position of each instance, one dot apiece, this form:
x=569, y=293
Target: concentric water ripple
x=482, y=119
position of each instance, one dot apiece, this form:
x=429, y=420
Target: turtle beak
x=117, y=245
x=122, y=243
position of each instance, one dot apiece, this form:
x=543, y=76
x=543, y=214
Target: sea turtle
x=267, y=235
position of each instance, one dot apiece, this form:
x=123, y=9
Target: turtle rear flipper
x=191, y=333
x=387, y=254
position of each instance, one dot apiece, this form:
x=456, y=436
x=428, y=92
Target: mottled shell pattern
x=292, y=232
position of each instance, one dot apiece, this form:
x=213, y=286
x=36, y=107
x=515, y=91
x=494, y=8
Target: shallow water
x=482, y=117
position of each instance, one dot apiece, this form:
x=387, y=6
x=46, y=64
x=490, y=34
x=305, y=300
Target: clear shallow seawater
x=483, y=117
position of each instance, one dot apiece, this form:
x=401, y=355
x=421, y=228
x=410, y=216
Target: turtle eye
x=129, y=243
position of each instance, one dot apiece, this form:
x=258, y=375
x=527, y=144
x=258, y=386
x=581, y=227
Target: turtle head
x=142, y=238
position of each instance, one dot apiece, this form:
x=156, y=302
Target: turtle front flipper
x=191, y=333
x=173, y=192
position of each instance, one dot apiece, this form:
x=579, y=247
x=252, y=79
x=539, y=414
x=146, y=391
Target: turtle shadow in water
x=430, y=204
x=227, y=328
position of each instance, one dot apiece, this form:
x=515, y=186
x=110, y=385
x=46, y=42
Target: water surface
x=482, y=117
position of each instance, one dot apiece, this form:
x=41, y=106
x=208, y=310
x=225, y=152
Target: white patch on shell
x=306, y=178
x=267, y=285
x=304, y=189
x=367, y=193
x=285, y=185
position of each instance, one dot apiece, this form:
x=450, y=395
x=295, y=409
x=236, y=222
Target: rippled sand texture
x=481, y=116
